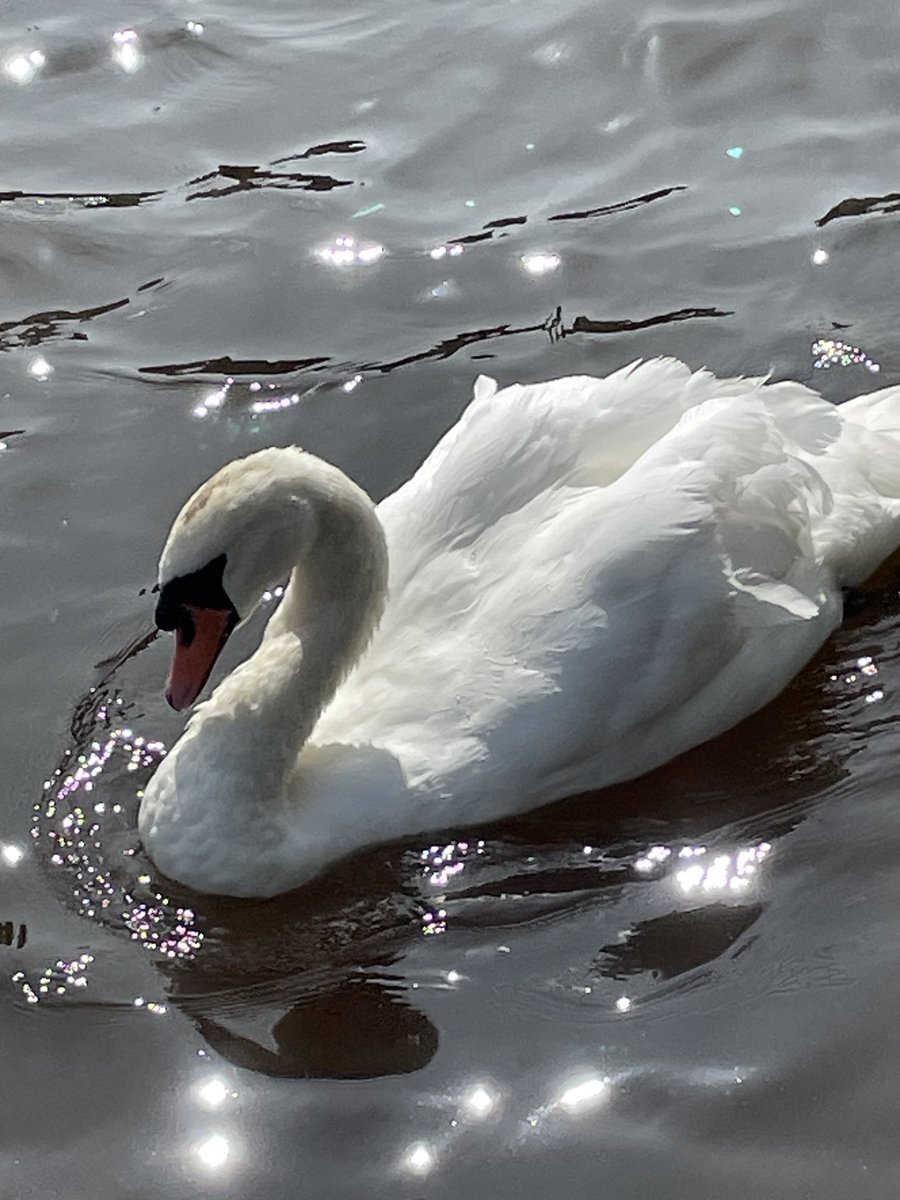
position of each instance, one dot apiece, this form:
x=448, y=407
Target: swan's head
x=239, y=534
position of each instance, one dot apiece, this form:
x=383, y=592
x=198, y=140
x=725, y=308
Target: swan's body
x=584, y=579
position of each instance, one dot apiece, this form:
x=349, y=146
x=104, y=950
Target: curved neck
x=329, y=612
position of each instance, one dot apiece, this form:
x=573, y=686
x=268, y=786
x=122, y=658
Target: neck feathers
x=329, y=612
x=337, y=594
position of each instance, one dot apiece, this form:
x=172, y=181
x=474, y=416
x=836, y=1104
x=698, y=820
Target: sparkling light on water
x=69, y=824
x=724, y=872
x=11, y=855
x=213, y=400
x=126, y=50
x=695, y=869
x=275, y=403
x=345, y=251
x=480, y=1101
x=40, y=369
x=579, y=1097
x=212, y=1093
x=540, y=264
x=866, y=670
x=419, y=1159
x=24, y=67
x=446, y=862
x=831, y=352
x=454, y=250
x=214, y=1152
x=652, y=859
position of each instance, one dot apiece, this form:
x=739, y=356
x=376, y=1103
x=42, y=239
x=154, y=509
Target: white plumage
x=587, y=577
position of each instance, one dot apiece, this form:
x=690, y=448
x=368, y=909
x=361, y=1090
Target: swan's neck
x=329, y=611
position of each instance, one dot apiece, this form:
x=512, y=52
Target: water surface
x=229, y=226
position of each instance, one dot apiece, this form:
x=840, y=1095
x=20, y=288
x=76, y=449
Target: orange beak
x=196, y=656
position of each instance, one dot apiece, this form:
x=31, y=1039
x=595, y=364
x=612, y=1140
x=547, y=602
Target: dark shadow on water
x=862, y=206
x=552, y=326
x=664, y=947
x=45, y=326
x=360, y=1028
x=84, y=199
x=228, y=366
x=350, y=146
x=234, y=178
x=607, y=210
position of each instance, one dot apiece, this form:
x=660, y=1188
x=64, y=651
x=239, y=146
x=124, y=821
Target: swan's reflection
x=357, y=1028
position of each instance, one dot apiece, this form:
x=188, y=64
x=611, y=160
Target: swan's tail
x=862, y=469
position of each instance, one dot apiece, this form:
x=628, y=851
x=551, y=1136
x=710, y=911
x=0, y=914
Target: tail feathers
x=863, y=471
x=873, y=423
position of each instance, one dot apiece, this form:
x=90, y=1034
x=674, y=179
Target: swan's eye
x=186, y=626
x=176, y=616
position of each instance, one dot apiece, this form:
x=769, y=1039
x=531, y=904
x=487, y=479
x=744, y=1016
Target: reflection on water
x=605, y=210
x=553, y=326
x=540, y=263
x=44, y=326
x=673, y=944
x=40, y=369
x=361, y=1027
x=126, y=50
x=726, y=872
x=252, y=178
x=11, y=854
x=861, y=206
x=213, y=1091
x=87, y=200
x=214, y=1152
x=831, y=352
x=24, y=67
x=345, y=252
x=579, y=1097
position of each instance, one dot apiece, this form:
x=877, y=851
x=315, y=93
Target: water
x=685, y=986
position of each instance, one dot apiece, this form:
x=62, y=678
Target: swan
x=584, y=579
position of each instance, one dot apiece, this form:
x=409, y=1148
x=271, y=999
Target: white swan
x=584, y=579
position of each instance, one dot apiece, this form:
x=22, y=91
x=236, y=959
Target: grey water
x=226, y=226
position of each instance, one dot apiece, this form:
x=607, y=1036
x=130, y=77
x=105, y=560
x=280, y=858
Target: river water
x=686, y=986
